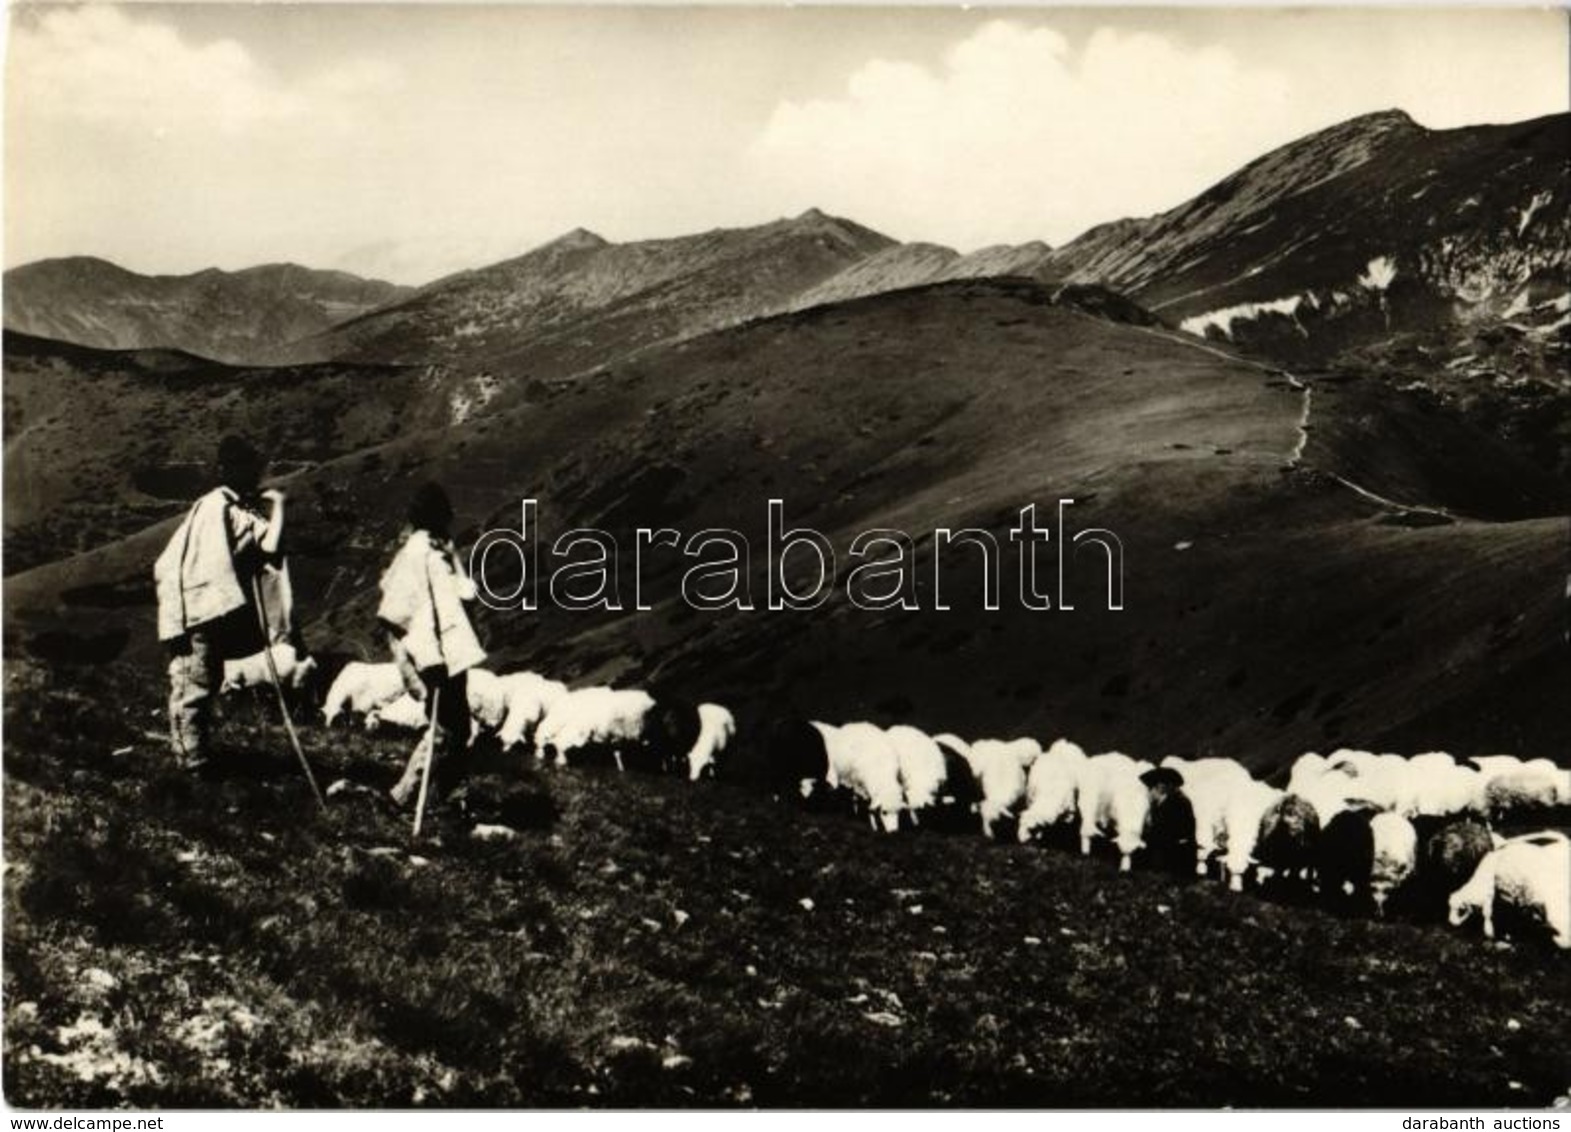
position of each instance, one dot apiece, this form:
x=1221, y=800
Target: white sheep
x=612, y=717
x=1493, y=766
x=864, y=761
x=716, y=729
x=487, y=698
x=1052, y=788
x=920, y=763
x=1532, y=873
x=1384, y=784
x=530, y=698
x=359, y=687
x=1525, y=789
x=1396, y=856
x=1241, y=818
x=294, y=670
x=1345, y=757
x=1194, y=770
x=1444, y=790
x=1113, y=803
x=404, y=711
x=1210, y=786
x=1307, y=768
x=999, y=767
x=1560, y=776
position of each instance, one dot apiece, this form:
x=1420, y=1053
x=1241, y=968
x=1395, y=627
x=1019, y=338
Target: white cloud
x=1017, y=136
x=96, y=65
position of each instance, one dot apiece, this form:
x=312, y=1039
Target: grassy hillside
x=642, y=941
x=1271, y=608
x=100, y=443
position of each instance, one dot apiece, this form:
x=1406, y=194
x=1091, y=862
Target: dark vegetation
x=200, y=942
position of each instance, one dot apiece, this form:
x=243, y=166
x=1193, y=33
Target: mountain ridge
x=237, y=316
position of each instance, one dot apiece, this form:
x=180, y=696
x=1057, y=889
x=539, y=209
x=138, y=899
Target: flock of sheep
x=1354, y=827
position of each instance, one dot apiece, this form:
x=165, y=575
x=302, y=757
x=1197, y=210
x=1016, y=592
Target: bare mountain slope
x=580, y=300
x=1372, y=226
x=912, y=265
x=99, y=443
x=239, y=316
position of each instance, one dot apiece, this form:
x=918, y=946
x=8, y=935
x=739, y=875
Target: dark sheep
x=787, y=753
x=1289, y=829
x=670, y=730
x=1345, y=857
x=1450, y=850
x=958, y=798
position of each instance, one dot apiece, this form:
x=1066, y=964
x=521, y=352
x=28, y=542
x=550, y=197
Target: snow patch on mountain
x=1223, y=319
x=1539, y=201
x=1378, y=274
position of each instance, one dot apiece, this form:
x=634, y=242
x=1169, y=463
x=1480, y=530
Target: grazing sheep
x=1307, y=768
x=1493, y=766
x=360, y=687
x=863, y=760
x=1559, y=775
x=1331, y=793
x=1170, y=820
x=1441, y=790
x=1210, y=784
x=716, y=729
x=1450, y=850
x=1351, y=761
x=405, y=711
x=962, y=794
x=1052, y=789
x=1000, y=770
x=1531, y=874
x=1196, y=770
x=1289, y=829
x=920, y=762
x=1373, y=779
x=487, y=698
x=1432, y=760
x=1396, y=856
x=788, y=760
x=1241, y=827
x=1113, y=803
x=594, y=718
x=294, y=671
x=1345, y=855
x=529, y=697
x=1521, y=790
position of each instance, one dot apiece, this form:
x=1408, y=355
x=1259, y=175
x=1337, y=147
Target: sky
x=407, y=141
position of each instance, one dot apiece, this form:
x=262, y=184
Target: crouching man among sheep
x=433, y=643
x=205, y=578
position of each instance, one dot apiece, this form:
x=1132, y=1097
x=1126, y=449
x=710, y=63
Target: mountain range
x=229, y=316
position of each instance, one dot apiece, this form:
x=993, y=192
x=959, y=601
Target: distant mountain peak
x=1394, y=118
x=817, y=223
x=578, y=240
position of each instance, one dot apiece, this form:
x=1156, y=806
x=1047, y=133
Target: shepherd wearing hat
x=423, y=595
x=206, y=577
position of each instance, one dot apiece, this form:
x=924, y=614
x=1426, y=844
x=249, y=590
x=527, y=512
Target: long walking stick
x=430, y=758
x=272, y=672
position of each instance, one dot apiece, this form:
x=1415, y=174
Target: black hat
x=237, y=457
x=430, y=509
